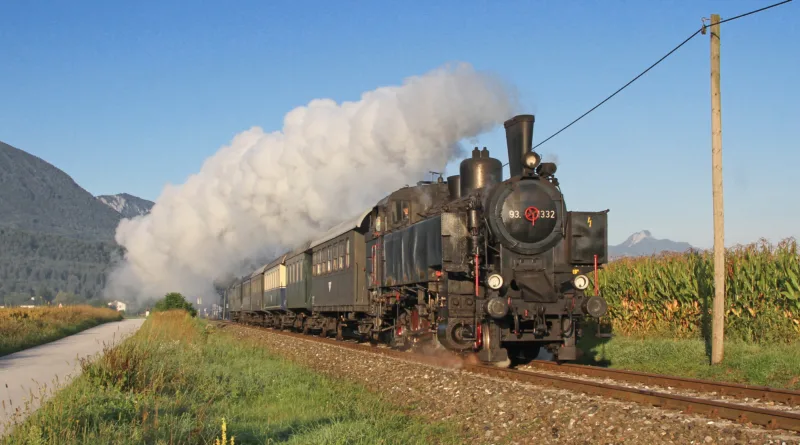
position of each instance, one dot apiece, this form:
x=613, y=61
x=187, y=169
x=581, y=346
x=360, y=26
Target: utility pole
x=718, y=321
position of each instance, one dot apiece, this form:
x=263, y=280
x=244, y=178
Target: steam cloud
x=266, y=193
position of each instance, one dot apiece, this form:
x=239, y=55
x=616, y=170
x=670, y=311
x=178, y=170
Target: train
x=476, y=264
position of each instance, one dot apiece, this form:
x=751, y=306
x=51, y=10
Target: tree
x=174, y=300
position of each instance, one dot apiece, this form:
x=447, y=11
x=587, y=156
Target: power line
x=753, y=12
x=653, y=66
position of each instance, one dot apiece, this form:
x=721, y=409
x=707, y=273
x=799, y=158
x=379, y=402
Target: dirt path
x=25, y=372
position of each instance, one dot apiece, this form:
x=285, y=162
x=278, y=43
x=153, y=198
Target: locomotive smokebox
x=519, y=137
x=454, y=186
x=479, y=171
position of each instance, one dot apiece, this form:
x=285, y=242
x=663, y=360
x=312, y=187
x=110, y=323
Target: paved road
x=26, y=371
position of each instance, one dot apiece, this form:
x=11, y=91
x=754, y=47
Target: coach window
x=396, y=213
x=347, y=254
x=328, y=253
x=339, y=250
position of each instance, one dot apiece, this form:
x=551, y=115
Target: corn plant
x=671, y=293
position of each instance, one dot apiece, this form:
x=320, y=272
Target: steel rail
x=778, y=395
x=743, y=414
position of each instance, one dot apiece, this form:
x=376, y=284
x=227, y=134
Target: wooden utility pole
x=718, y=323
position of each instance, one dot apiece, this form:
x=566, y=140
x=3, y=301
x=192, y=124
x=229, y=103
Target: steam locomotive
x=474, y=264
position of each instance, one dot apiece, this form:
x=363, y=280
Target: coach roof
x=342, y=228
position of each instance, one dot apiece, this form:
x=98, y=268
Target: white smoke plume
x=269, y=192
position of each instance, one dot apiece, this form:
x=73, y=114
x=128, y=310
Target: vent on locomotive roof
x=519, y=138
x=454, y=186
x=479, y=171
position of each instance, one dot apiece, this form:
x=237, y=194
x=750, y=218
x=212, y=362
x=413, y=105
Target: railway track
x=714, y=409
x=763, y=393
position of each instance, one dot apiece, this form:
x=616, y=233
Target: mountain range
x=36, y=196
x=56, y=238
x=643, y=243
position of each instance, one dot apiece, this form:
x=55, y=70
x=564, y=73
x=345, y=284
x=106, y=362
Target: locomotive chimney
x=519, y=138
x=454, y=186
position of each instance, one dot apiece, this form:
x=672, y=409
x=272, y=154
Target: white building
x=118, y=305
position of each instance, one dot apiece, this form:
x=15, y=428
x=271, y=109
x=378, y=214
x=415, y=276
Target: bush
x=174, y=300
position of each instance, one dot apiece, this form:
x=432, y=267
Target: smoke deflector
x=519, y=138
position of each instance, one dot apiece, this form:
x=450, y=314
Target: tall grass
x=670, y=294
x=22, y=328
x=177, y=378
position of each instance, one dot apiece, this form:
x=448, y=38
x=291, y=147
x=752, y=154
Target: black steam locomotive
x=476, y=263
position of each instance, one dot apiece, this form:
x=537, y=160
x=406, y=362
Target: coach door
x=374, y=269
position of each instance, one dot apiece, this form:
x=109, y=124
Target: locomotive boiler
x=474, y=264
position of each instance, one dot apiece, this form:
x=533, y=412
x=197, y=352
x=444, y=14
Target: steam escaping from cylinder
x=268, y=192
x=519, y=138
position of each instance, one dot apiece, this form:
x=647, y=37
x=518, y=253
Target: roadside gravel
x=495, y=411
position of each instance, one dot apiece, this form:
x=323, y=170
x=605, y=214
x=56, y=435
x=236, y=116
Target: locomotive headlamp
x=531, y=160
x=595, y=306
x=495, y=281
x=580, y=282
x=496, y=307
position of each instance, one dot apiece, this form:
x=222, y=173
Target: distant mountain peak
x=643, y=243
x=637, y=238
x=127, y=205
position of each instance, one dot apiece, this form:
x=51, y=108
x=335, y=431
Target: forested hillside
x=42, y=265
x=56, y=238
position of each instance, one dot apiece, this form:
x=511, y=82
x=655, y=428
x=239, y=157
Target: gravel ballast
x=493, y=411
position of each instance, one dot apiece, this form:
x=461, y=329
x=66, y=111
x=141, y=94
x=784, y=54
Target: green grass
x=176, y=379
x=776, y=365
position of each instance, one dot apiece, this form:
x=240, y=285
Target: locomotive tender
x=476, y=263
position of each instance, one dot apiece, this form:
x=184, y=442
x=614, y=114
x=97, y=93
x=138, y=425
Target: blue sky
x=126, y=97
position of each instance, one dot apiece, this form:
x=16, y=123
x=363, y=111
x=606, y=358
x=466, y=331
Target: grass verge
x=775, y=365
x=22, y=328
x=177, y=378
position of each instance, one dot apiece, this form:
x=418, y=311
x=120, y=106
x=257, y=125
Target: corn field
x=671, y=294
